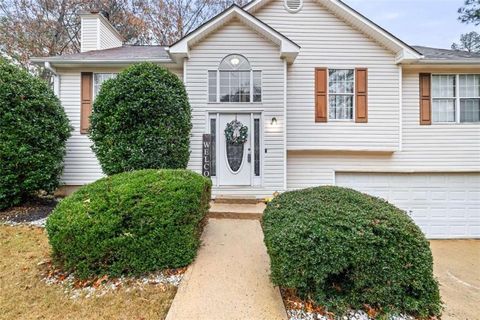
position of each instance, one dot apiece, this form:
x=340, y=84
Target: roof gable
x=288, y=49
x=404, y=52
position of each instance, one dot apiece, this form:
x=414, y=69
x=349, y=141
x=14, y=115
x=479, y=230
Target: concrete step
x=236, y=211
x=236, y=200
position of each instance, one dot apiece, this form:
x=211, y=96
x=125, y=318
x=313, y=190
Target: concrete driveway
x=457, y=267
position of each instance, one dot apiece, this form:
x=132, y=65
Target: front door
x=234, y=149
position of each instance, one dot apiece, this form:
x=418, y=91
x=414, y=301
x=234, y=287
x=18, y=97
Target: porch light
x=274, y=121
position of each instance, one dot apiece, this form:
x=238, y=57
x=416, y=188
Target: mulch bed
x=32, y=210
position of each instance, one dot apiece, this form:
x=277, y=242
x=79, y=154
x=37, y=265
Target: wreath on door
x=236, y=133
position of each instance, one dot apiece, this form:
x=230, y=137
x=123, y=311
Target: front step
x=236, y=200
x=236, y=211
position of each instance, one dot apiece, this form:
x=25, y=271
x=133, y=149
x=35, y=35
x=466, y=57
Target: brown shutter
x=425, y=99
x=361, y=95
x=86, y=97
x=320, y=94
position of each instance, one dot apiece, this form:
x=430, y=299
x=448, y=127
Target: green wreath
x=236, y=133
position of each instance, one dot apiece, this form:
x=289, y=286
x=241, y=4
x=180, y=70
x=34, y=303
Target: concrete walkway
x=229, y=280
x=456, y=264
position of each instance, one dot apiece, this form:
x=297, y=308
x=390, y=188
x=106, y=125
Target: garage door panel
x=443, y=205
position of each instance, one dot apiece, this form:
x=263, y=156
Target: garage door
x=443, y=205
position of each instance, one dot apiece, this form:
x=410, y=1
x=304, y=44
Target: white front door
x=235, y=160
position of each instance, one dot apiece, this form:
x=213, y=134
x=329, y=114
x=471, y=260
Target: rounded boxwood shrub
x=345, y=249
x=33, y=131
x=141, y=120
x=130, y=223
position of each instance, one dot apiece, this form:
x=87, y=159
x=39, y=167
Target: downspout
x=400, y=109
x=56, y=78
x=285, y=185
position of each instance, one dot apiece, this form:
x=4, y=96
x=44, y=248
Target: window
x=235, y=81
x=341, y=84
x=456, y=98
x=213, y=144
x=99, y=78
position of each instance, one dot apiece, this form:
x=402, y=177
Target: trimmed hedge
x=141, y=120
x=33, y=131
x=130, y=223
x=345, y=249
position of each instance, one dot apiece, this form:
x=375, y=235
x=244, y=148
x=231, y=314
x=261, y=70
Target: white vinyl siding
x=107, y=38
x=443, y=148
x=89, y=34
x=236, y=38
x=329, y=42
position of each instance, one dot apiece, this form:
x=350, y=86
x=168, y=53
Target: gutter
x=100, y=61
x=430, y=61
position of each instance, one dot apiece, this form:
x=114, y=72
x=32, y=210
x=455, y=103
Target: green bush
x=33, y=131
x=345, y=249
x=130, y=223
x=141, y=120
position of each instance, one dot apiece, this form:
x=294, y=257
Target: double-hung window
x=455, y=98
x=99, y=78
x=234, y=81
x=341, y=94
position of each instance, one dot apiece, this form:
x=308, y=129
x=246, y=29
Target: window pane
x=213, y=156
x=340, y=81
x=341, y=106
x=469, y=85
x=469, y=110
x=257, y=86
x=99, y=79
x=256, y=138
x=443, y=86
x=245, y=86
x=212, y=86
x=224, y=87
x=443, y=110
x=234, y=86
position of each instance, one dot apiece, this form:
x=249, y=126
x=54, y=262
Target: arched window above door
x=234, y=81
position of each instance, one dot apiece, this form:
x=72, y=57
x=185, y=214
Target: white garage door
x=443, y=205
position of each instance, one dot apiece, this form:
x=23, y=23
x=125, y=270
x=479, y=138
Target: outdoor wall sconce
x=274, y=121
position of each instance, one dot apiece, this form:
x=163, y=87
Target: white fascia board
x=288, y=49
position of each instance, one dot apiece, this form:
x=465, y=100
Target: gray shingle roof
x=445, y=54
x=123, y=53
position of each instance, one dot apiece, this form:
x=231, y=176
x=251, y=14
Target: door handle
x=249, y=158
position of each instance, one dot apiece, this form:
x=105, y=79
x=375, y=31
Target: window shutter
x=425, y=99
x=361, y=95
x=86, y=88
x=320, y=94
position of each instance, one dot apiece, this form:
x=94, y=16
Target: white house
x=328, y=97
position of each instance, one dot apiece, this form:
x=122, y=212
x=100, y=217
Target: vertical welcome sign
x=206, y=154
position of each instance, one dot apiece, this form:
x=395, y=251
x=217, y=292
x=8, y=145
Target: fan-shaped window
x=293, y=5
x=234, y=81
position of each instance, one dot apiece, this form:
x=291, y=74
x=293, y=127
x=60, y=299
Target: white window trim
x=230, y=102
x=352, y=94
x=457, y=99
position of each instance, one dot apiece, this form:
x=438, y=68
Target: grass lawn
x=23, y=295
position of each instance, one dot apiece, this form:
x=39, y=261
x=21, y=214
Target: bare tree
x=169, y=20
x=470, y=12
x=469, y=42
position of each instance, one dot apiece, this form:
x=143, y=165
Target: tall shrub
x=141, y=120
x=345, y=249
x=33, y=132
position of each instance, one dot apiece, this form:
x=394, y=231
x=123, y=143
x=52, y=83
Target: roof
x=288, y=49
x=125, y=53
x=446, y=54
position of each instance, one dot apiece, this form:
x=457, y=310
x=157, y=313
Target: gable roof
x=436, y=55
x=288, y=49
x=405, y=53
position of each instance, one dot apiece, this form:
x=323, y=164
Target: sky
x=431, y=23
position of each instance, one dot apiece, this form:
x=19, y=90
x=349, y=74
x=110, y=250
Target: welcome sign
x=206, y=154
